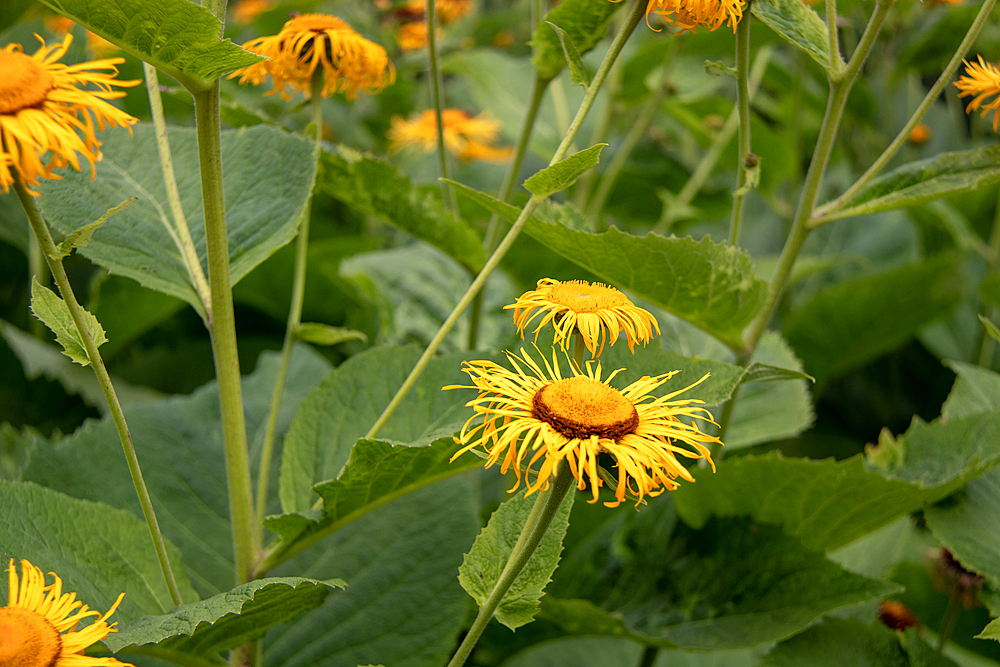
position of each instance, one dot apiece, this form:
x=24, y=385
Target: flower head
x=448, y=11
x=469, y=138
x=246, y=12
x=350, y=62
x=38, y=624
x=920, y=134
x=692, y=14
x=413, y=35
x=597, y=311
x=574, y=420
x=981, y=79
x=42, y=110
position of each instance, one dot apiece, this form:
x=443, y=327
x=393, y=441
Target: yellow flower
x=597, y=311
x=247, y=11
x=981, y=80
x=691, y=14
x=920, y=133
x=42, y=110
x=413, y=35
x=467, y=137
x=578, y=418
x=37, y=627
x=350, y=62
x=448, y=11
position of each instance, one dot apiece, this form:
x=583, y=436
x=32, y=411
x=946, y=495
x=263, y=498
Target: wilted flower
x=469, y=138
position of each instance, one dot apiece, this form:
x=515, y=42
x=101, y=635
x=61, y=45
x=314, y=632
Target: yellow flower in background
x=246, y=12
x=467, y=137
x=597, y=311
x=448, y=11
x=920, y=134
x=981, y=79
x=37, y=627
x=413, y=35
x=692, y=14
x=42, y=110
x=573, y=420
x=350, y=62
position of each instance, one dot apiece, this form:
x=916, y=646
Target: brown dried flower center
x=581, y=297
x=579, y=407
x=24, y=83
x=27, y=639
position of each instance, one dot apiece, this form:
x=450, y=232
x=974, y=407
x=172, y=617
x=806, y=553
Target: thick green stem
x=839, y=91
x=246, y=543
x=48, y=248
x=904, y=134
x=527, y=543
x=437, y=99
x=179, y=232
x=635, y=16
x=743, y=107
x=294, y=312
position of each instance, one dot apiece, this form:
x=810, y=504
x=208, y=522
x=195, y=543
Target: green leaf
x=263, y=204
x=227, y=620
x=562, y=174
x=324, y=334
x=178, y=37
x=583, y=22
x=856, y=321
x=179, y=442
x=12, y=12
x=732, y=584
x=798, y=24
x=944, y=175
x=127, y=310
x=578, y=71
x=713, y=286
x=54, y=313
x=81, y=237
x=98, y=551
x=976, y=390
x=484, y=564
x=991, y=328
x=991, y=631
x=376, y=188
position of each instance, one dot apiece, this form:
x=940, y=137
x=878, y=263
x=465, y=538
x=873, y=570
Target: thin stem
x=833, y=41
x=823, y=213
x=48, y=248
x=743, y=107
x=635, y=16
x=246, y=544
x=294, y=312
x=585, y=185
x=839, y=91
x=38, y=270
x=724, y=420
x=649, y=655
x=519, y=557
x=181, y=232
x=537, y=12
x=437, y=98
x=559, y=106
x=950, y=617
x=475, y=317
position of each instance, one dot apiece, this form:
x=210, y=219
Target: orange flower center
x=29, y=640
x=582, y=297
x=24, y=84
x=579, y=407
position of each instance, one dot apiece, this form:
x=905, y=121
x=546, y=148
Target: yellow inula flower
x=37, y=627
x=597, y=311
x=43, y=110
x=981, y=79
x=413, y=35
x=691, y=14
x=573, y=420
x=447, y=10
x=467, y=137
x=350, y=62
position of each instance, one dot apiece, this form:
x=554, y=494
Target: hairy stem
x=48, y=249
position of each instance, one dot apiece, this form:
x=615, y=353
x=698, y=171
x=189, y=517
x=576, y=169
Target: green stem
x=824, y=212
x=636, y=14
x=294, y=312
x=246, y=544
x=579, y=348
x=724, y=420
x=649, y=655
x=743, y=107
x=986, y=343
x=833, y=41
x=39, y=271
x=48, y=248
x=437, y=98
x=180, y=232
x=475, y=317
x=839, y=91
x=527, y=543
x=585, y=185
x=559, y=106
x=950, y=617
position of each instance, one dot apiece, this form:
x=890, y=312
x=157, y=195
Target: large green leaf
x=179, y=445
x=263, y=204
x=98, y=551
x=976, y=390
x=732, y=584
x=943, y=175
x=710, y=285
x=176, y=36
x=585, y=23
x=127, y=310
x=854, y=322
x=486, y=561
x=797, y=23
x=376, y=188
x=226, y=620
